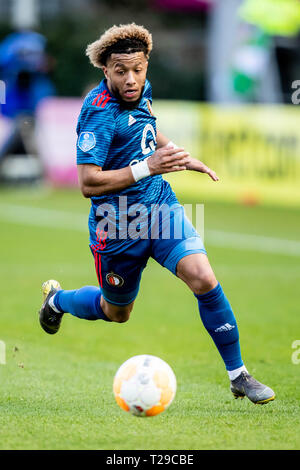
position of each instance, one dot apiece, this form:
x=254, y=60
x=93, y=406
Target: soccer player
x=121, y=157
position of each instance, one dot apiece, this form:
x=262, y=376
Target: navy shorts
x=119, y=273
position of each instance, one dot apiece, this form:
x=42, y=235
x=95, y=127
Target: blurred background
x=226, y=85
x=225, y=78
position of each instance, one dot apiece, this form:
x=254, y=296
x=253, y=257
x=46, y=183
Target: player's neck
x=124, y=104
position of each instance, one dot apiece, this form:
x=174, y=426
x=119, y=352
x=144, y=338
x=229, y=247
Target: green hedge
x=72, y=73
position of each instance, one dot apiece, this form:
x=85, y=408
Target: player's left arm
x=193, y=164
x=161, y=140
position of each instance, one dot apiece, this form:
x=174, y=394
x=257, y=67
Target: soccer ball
x=144, y=385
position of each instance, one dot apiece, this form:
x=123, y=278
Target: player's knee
x=121, y=317
x=121, y=314
x=202, y=281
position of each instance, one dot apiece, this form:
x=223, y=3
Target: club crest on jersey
x=86, y=141
x=149, y=108
x=114, y=279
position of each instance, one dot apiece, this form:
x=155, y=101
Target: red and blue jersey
x=113, y=137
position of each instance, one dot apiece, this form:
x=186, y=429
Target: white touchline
x=253, y=242
x=28, y=215
x=57, y=219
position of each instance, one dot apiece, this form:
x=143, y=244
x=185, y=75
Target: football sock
x=233, y=374
x=218, y=319
x=82, y=303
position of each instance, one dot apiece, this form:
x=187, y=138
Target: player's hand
x=167, y=160
x=196, y=165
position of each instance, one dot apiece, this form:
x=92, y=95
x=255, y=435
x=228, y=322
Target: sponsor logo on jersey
x=86, y=141
x=146, y=144
x=114, y=279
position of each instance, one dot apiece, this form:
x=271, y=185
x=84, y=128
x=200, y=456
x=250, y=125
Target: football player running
x=121, y=157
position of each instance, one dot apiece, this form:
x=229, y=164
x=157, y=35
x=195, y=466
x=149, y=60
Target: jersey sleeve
x=95, y=131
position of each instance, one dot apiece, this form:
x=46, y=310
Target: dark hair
x=124, y=46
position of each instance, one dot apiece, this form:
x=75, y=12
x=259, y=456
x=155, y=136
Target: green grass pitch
x=56, y=391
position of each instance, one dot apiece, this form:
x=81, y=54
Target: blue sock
x=218, y=318
x=82, y=303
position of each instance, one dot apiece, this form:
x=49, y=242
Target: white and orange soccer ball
x=144, y=385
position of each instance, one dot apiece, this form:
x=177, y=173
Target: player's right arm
x=96, y=130
x=93, y=181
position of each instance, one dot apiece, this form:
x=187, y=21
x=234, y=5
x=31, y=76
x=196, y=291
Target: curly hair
x=122, y=39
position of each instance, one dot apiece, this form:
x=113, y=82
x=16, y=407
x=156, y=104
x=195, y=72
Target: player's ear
x=104, y=68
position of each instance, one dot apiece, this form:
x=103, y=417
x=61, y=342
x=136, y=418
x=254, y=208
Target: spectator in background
x=24, y=69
